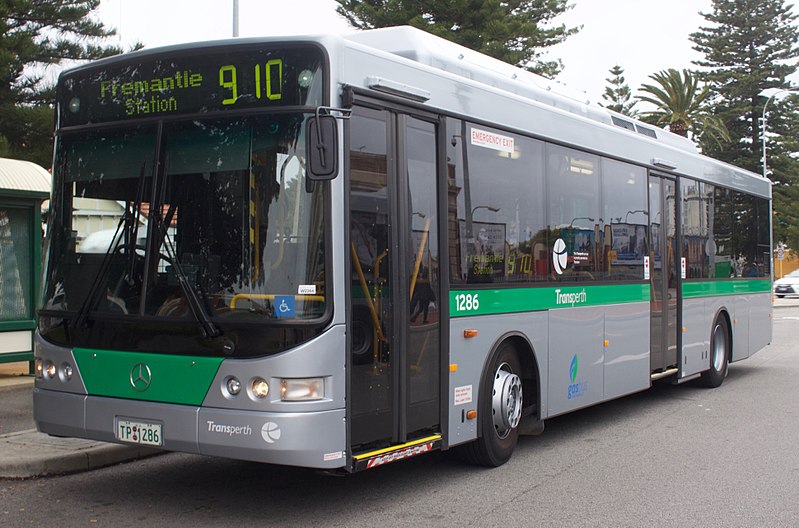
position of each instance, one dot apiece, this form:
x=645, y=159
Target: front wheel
x=719, y=354
x=500, y=409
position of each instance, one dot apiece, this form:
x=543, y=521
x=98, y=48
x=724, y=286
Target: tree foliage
x=748, y=47
x=515, y=31
x=783, y=146
x=618, y=94
x=681, y=103
x=33, y=35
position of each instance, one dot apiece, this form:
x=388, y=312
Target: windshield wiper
x=130, y=220
x=102, y=273
x=209, y=329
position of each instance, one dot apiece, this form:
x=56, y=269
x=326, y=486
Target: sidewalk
x=27, y=454
x=786, y=302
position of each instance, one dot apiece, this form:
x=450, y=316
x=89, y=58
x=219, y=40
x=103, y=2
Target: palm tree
x=683, y=106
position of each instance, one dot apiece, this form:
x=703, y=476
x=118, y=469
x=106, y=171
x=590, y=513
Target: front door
x=665, y=274
x=394, y=356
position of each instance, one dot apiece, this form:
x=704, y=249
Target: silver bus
x=342, y=251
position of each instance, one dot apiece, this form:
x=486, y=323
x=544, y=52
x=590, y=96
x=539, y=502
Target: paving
x=29, y=453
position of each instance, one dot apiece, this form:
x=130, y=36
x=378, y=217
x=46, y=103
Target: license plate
x=139, y=432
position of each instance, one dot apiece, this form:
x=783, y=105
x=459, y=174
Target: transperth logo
x=560, y=257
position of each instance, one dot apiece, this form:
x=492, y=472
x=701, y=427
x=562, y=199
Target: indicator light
x=308, y=389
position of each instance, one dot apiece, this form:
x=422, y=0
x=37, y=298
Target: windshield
x=144, y=219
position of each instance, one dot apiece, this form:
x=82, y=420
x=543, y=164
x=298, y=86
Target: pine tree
x=515, y=31
x=749, y=46
x=784, y=168
x=618, y=93
x=33, y=35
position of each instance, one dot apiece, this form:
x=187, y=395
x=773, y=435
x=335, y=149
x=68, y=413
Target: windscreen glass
x=200, y=219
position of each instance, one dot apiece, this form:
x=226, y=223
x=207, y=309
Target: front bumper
x=308, y=439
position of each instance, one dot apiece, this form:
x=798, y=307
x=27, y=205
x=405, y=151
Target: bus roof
x=475, y=86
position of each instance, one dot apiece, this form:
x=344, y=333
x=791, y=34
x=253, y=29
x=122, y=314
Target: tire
x=720, y=349
x=500, y=409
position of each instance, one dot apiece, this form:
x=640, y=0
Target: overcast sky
x=642, y=36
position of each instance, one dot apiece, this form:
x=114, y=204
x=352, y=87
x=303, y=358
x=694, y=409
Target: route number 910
x=467, y=302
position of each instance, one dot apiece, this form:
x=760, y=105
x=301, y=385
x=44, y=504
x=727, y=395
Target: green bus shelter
x=23, y=187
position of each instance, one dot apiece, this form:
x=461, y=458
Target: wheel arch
x=725, y=313
x=531, y=374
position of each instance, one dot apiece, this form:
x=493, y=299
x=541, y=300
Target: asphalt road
x=670, y=456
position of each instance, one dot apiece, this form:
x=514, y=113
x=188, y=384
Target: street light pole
x=235, y=18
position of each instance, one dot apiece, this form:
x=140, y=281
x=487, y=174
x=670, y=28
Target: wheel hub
x=507, y=400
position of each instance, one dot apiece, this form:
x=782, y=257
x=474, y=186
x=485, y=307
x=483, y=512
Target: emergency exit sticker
x=646, y=268
x=682, y=267
x=483, y=138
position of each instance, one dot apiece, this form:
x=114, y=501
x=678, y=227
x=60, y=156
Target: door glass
x=673, y=269
x=422, y=357
x=657, y=273
x=372, y=375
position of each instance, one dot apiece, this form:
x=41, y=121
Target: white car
x=788, y=285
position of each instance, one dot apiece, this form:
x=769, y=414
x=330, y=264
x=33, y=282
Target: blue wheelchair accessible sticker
x=284, y=306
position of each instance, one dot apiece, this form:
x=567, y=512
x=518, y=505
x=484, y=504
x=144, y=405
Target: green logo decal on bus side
x=484, y=302
x=151, y=377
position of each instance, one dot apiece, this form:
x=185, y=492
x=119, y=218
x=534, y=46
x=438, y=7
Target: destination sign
x=204, y=81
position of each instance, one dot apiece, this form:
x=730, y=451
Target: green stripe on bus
x=725, y=287
x=484, y=302
x=150, y=377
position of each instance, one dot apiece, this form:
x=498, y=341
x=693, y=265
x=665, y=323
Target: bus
x=338, y=252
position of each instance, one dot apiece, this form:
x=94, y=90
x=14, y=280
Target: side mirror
x=322, y=148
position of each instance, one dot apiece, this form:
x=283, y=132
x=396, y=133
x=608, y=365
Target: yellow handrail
x=271, y=297
x=366, y=294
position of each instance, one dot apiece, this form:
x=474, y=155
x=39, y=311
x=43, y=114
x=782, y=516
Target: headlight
x=65, y=372
x=305, y=389
x=49, y=369
x=233, y=386
x=38, y=367
x=259, y=388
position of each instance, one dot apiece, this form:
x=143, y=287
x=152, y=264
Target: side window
x=740, y=227
x=573, y=200
x=763, y=223
x=624, y=213
x=722, y=228
x=497, y=231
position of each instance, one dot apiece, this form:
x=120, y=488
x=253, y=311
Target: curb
x=15, y=382
x=28, y=454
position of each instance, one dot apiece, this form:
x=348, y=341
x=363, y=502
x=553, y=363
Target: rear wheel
x=719, y=354
x=500, y=409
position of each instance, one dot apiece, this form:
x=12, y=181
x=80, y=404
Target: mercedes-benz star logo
x=140, y=377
